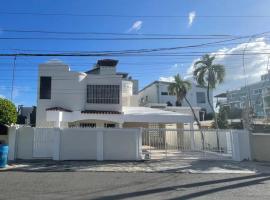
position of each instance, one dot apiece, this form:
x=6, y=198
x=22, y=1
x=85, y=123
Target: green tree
x=209, y=75
x=222, y=117
x=180, y=87
x=8, y=112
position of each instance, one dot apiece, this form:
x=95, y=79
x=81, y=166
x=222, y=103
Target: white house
x=156, y=94
x=100, y=97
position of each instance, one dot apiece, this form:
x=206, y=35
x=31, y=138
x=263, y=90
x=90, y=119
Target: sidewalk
x=172, y=166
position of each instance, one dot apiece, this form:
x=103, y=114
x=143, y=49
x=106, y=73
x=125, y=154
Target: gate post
x=100, y=145
x=57, y=144
x=192, y=136
x=12, y=133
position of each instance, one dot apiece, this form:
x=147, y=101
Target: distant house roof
x=164, y=82
x=100, y=112
x=107, y=62
x=221, y=95
x=58, y=109
x=95, y=70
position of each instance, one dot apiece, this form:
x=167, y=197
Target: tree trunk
x=196, y=119
x=214, y=114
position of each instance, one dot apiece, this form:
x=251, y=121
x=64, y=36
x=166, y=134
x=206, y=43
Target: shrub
x=8, y=112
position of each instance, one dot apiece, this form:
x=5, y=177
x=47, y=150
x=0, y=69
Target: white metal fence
x=169, y=143
x=127, y=144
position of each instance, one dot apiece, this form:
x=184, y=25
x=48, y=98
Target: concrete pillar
x=57, y=123
x=12, y=133
x=100, y=145
x=240, y=145
x=56, y=144
x=180, y=136
x=192, y=136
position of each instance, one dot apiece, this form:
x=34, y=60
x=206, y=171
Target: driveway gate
x=186, y=144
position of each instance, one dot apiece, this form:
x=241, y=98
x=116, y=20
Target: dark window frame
x=197, y=97
x=45, y=87
x=103, y=94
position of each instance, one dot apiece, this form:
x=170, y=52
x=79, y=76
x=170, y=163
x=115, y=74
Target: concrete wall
x=75, y=143
x=121, y=144
x=78, y=144
x=260, y=146
x=68, y=87
x=24, y=141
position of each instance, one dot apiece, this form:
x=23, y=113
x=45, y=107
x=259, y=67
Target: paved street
x=108, y=185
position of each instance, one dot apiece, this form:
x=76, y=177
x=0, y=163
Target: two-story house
x=156, y=94
x=100, y=97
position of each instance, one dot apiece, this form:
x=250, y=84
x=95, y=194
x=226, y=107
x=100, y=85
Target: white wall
x=24, y=141
x=76, y=143
x=154, y=95
x=69, y=90
x=119, y=144
x=260, y=149
x=151, y=93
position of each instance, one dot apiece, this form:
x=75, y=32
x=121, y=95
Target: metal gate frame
x=181, y=143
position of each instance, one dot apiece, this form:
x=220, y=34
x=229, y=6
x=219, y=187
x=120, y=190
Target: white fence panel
x=43, y=142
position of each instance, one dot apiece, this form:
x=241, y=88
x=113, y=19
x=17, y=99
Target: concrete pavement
x=170, y=165
x=107, y=185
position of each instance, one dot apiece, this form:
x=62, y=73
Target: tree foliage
x=8, y=112
x=180, y=87
x=222, y=117
x=209, y=75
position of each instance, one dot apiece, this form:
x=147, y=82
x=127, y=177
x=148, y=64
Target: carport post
x=192, y=136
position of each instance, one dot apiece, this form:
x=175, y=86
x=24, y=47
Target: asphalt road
x=90, y=185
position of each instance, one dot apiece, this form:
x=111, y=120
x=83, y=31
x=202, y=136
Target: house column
x=57, y=123
x=180, y=136
x=192, y=136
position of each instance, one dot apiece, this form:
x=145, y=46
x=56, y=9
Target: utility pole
x=13, y=77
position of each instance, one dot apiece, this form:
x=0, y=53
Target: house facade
x=257, y=94
x=156, y=93
x=100, y=97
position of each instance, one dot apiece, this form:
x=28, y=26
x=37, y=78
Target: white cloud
x=167, y=79
x=136, y=26
x=191, y=17
x=255, y=64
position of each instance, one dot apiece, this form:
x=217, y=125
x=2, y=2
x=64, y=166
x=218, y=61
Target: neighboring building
x=26, y=115
x=100, y=97
x=256, y=93
x=156, y=93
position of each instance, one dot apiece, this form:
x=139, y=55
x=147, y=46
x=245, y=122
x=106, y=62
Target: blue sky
x=144, y=68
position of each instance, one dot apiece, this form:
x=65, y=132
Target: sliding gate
x=186, y=144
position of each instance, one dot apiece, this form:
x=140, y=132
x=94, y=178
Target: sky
x=183, y=18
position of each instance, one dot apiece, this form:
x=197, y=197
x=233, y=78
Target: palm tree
x=180, y=88
x=209, y=75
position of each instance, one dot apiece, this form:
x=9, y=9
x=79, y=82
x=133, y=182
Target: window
x=200, y=97
x=164, y=93
x=109, y=125
x=88, y=125
x=103, y=94
x=45, y=87
x=257, y=91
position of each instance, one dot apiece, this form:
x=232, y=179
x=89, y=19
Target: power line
x=109, y=39
x=127, y=16
x=113, y=33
